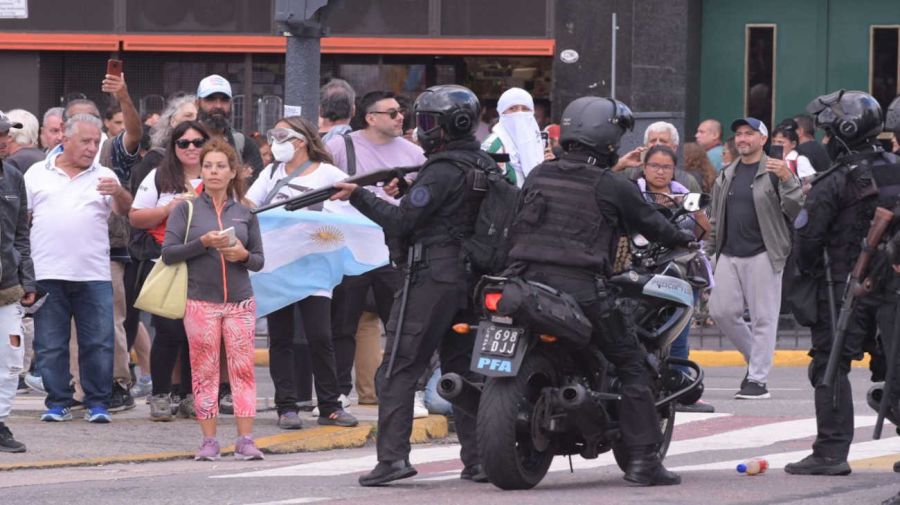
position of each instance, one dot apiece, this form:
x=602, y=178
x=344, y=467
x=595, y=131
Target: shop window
x=884, y=63
x=384, y=17
x=71, y=16
x=759, y=73
x=209, y=16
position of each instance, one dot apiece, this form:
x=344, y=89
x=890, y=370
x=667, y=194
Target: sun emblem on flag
x=327, y=235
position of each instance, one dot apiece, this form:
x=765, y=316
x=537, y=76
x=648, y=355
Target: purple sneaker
x=245, y=449
x=209, y=450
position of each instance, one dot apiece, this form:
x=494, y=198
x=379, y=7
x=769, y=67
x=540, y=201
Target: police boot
x=818, y=465
x=388, y=471
x=474, y=473
x=645, y=468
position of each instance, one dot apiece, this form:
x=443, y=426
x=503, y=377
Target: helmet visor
x=427, y=122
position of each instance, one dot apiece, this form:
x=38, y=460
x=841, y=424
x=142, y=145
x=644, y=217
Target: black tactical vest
x=559, y=221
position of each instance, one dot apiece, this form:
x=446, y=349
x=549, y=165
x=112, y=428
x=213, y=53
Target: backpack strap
x=351, y=154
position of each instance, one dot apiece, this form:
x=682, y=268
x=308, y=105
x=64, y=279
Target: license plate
x=500, y=340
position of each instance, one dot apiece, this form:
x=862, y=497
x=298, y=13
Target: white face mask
x=283, y=151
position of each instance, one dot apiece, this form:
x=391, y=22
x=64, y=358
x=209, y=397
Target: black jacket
x=16, y=266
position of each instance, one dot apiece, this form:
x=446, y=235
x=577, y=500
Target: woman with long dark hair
x=177, y=178
x=301, y=163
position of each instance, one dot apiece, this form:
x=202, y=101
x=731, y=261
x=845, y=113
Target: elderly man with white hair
x=517, y=134
x=663, y=133
x=23, y=142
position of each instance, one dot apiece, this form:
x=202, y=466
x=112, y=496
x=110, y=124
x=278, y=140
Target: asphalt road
x=705, y=451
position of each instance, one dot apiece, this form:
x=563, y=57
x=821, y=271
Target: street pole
x=301, y=21
x=612, y=73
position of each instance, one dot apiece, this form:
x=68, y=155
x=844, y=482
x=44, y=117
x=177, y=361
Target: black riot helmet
x=853, y=118
x=892, y=116
x=594, y=124
x=444, y=113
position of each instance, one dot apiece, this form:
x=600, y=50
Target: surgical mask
x=283, y=151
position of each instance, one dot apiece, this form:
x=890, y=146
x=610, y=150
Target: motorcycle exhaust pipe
x=460, y=392
x=583, y=410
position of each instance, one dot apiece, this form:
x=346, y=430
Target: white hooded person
x=516, y=134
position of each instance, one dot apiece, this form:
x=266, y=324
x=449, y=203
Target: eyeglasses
x=660, y=168
x=392, y=113
x=184, y=143
x=283, y=135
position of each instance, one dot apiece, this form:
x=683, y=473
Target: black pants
x=834, y=420
x=347, y=307
x=437, y=298
x=638, y=418
x=169, y=343
x=136, y=273
x=286, y=356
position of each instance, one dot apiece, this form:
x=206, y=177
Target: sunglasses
x=283, y=135
x=392, y=113
x=185, y=143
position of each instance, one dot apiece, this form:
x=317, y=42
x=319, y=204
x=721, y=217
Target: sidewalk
x=133, y=438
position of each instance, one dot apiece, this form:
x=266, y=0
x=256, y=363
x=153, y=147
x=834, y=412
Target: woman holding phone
x=177, y=178
x=220, y=304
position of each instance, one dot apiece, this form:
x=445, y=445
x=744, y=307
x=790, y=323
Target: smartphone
x=232, y=239
x=545, y=139
x=776, y=152
x=114, y=67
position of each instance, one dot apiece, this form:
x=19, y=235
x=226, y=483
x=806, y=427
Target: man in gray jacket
x=17, y=285
x=755, y=199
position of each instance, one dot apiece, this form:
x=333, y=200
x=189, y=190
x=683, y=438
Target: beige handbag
x=165, y=291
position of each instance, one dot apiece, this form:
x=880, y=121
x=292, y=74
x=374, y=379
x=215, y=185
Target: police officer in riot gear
x=836, y=220
x=433, y=218
x=571, y=213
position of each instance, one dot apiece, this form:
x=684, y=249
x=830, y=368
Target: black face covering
x=216, y=119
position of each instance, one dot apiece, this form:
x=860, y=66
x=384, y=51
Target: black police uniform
x=840, y=207
x=437, y=213
x=572, y=212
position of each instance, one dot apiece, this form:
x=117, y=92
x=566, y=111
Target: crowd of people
x=92, y=202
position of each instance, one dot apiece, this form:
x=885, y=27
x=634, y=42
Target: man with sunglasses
x=380, y=144
x=434, y=218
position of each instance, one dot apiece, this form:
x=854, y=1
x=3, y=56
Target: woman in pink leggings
x=220, y=304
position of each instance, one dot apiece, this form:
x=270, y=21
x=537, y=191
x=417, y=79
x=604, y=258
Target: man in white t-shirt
x=70, y=197
x=377, y=146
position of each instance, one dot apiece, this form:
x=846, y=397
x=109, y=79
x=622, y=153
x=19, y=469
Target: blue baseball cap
x=752, y=122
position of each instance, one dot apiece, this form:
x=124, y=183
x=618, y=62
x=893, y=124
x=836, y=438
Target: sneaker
x=56, y=415
x=175, y=400
x=339, y=418
x=97, y=415
x=746, y=379
x=35, y=382
x=142, y=387
x=818, y=465
x=22, y=387
x=419, y=409
x=753, y=391
x=698, y=406
x=186, y=408
x=120, y=400
x=345, y=401
x=7, y=442
x=245, y=450
x=226, y=404
x=209, y=450
x=160, y=408
x=289, y=421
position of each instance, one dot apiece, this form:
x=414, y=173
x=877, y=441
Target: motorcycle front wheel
x=509, y=456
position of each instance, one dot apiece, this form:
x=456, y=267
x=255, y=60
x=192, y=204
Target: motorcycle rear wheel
x=508, y=453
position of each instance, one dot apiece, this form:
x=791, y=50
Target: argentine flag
x=308, y=252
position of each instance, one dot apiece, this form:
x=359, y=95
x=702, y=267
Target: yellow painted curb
x=428, y=428
x=104, y=460
x=879, y=463
x=321, y=438
x=782, y=358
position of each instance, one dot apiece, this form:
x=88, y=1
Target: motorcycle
x=549, y=390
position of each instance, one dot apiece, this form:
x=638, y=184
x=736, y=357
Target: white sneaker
x=419, y=410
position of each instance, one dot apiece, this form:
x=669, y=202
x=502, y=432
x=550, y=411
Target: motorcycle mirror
x=639, y=241
x=693, y=202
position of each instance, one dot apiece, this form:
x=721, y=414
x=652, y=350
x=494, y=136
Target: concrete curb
x=319, y=438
